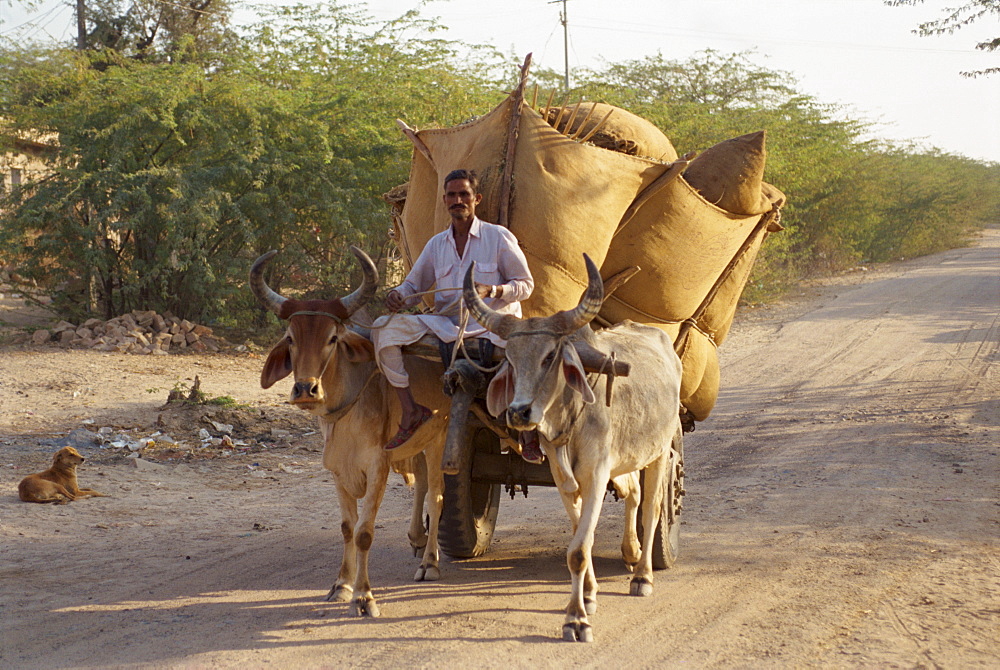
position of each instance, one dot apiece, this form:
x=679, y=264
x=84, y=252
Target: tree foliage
x=850, y=199
x=172, y=176
x=956, y=18
x=176, y=166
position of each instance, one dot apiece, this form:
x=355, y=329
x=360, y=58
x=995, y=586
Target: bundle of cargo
x=597, y=179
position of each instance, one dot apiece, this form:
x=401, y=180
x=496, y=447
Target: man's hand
x=394, y=301
x=483, y=290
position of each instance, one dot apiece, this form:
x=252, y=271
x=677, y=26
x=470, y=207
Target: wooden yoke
x=593, y=360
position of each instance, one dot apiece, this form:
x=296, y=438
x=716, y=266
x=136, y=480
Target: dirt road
x=842, y=511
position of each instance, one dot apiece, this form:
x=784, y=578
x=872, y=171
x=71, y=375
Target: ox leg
x=642, y=580
x=364, y=603
x=343, y=588
x=576, y=627
x=628, y=490
x=573, y=503
x=429, y=570
x=417, y=533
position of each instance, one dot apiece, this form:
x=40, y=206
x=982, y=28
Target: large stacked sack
x=693, y=228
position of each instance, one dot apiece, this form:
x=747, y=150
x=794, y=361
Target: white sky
x=857, y=53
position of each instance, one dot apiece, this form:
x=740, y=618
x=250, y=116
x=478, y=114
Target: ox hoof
x=339, y=594
x=590, y=606
x=578, y=632
x=630, y=565
x=365, y=607
x=642, y=587
x=429, y=573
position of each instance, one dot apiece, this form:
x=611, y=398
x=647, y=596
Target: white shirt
x=499, y=262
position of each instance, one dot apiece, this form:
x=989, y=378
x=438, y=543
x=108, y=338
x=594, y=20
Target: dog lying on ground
x=57, y=484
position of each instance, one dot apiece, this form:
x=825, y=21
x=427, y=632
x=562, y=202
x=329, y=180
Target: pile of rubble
x=216, y=441
x=138, y=332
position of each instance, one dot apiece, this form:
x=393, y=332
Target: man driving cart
x=503, y=281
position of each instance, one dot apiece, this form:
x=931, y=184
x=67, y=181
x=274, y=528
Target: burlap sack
x=477, y=145
x=700, y=383
x=730, y=174
x=569, y=198
x=718, y=315
x=623, y=132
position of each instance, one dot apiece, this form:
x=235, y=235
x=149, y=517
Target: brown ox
x=337, y=380
x=544, y=387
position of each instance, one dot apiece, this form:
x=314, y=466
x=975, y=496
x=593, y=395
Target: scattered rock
x=138, y=332
x=81, y=438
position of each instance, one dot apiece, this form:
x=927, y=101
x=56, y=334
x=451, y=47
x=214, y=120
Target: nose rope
x=334, y=415
x=556, y=354
x=334, y=350
x=562, y=438
x=464, y=315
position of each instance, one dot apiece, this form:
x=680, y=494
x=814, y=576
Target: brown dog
x=58, y=483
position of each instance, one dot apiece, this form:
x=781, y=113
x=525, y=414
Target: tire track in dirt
x=841, y=512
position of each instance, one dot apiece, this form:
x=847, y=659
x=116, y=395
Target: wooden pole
x=517, y=102
x=81, y=24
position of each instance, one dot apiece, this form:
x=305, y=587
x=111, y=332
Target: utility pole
x=564, y=19
x=81, y=25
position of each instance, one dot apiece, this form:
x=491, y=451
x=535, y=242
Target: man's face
x=460, y=199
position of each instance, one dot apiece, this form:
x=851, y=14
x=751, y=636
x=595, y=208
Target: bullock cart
x=674, y=237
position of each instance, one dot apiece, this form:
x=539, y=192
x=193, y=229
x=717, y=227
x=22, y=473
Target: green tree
x=157, y=30
x=172, y=176
x=959, y=17
x=851, y=199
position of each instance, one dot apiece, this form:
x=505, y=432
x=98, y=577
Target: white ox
x=337, y=380
x=544, y=387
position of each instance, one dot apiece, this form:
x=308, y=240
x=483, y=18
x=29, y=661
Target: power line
x=33, y=22
x=608, y=26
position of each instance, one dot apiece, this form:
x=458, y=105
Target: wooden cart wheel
x=666, y=540
x=470, y=508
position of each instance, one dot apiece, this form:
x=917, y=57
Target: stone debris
x=224, y=428
x=138, y=332
x=160, y=446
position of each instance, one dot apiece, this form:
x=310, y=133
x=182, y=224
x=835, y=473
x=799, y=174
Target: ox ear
x=572, y=369
x=278, y=364
x=501, y=390
x=357, y=348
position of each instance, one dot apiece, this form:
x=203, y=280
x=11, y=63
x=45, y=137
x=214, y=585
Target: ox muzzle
x=307, y=392
x=519, y=417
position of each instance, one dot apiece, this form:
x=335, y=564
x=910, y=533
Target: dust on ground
x=841, y=510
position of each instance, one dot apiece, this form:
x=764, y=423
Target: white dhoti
x=391, y=332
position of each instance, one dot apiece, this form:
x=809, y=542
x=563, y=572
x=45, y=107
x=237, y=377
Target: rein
x=336, y=414
x=312, y=313
x=332, y=352
x=562, y=438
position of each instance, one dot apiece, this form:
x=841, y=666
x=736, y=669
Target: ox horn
x=265, y=296
x=570, y=321
x=488, y=318
x=364, y=293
